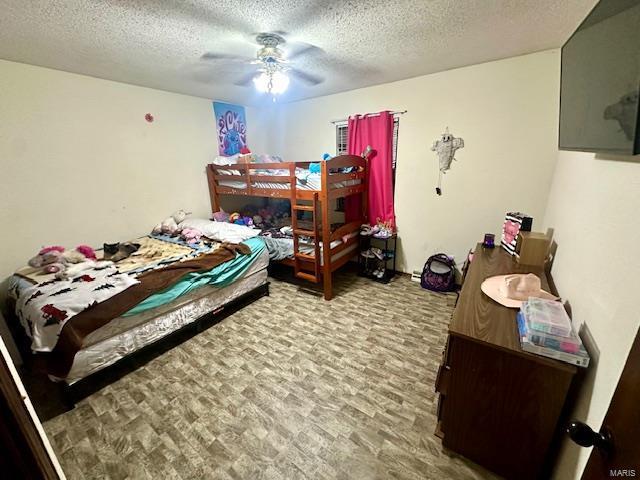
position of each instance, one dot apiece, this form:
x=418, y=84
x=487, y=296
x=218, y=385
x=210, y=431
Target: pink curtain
x=376, y=131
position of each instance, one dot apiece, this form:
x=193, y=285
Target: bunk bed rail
x=253, y=179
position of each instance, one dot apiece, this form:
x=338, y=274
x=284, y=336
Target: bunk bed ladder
x=299, y=257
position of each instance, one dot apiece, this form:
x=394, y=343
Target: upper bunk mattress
x=304, y=181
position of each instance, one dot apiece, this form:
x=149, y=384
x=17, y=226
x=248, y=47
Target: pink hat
x=512, y=290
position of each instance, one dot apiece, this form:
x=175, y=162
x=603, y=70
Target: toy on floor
x=169, y=225
x=446, y=148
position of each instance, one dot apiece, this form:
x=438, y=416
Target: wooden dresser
x=499, y=406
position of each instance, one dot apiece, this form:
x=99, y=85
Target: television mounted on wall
x=600, y=81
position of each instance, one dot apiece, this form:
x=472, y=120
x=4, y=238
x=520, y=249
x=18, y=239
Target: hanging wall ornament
x=446, y=148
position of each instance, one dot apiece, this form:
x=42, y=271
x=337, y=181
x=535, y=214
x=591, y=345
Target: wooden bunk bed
x=334, y=183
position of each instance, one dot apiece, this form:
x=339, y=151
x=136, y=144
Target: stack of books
x=545, y=329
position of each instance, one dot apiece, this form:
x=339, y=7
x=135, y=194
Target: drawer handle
x=442, y=379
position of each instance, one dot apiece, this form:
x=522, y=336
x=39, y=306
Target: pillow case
x=220, y=231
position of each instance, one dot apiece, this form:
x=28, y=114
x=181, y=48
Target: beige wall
x=79, y=164
x=507, y=113
x=593, y=208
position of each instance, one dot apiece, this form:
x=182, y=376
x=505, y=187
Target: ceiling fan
x=272, y=66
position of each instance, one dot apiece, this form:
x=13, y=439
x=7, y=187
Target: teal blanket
x=220, y=276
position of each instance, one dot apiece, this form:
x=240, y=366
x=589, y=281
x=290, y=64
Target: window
x=342, y=138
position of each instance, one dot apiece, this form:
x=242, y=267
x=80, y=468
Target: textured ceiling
x=159, y=43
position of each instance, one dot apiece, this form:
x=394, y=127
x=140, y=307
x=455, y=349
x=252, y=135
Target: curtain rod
x=399, y=112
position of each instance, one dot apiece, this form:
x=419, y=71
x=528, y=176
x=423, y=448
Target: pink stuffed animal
x=55, y=259
x=191, y=235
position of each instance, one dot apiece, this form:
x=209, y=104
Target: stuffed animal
x=191, y=235
x=257, y=220
x=266, y=214
x=56, y=259
x=46, y=257
x=73, y=256
x=221, y=216
x=169, y=225
x=233, y=217
x=87, y=251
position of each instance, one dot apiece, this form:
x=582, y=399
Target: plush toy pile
x=171, y=226
x=58, y=260
x=275, y=215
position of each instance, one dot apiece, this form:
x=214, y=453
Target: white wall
x=507, y=113
x=79, y=164
x=593, y=207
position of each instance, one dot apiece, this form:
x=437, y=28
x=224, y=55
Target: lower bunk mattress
x=282, y=248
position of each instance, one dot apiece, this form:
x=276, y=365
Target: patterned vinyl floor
x=289, y=387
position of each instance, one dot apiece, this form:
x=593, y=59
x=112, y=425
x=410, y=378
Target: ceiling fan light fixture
x=261, y=82
x=280, y=83
x=274, y=83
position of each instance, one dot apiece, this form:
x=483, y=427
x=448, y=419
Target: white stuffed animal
x=169, y=225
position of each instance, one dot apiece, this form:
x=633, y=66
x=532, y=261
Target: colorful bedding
x=220, y=276
x=45, y=308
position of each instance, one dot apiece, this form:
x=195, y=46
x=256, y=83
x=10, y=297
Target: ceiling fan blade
x=245, y=80
x=307, y=78
x=301, y=50
x=224, y=56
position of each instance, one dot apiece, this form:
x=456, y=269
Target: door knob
x=583, y=435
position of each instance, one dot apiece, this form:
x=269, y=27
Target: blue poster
x=231, y=124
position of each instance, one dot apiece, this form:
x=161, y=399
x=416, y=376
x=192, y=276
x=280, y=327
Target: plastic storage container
x=569, y=344
x=547, y=316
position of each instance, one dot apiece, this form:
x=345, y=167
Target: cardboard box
x=532, y=248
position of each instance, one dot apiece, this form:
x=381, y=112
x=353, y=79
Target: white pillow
x=221, y=231
x=226, y=160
